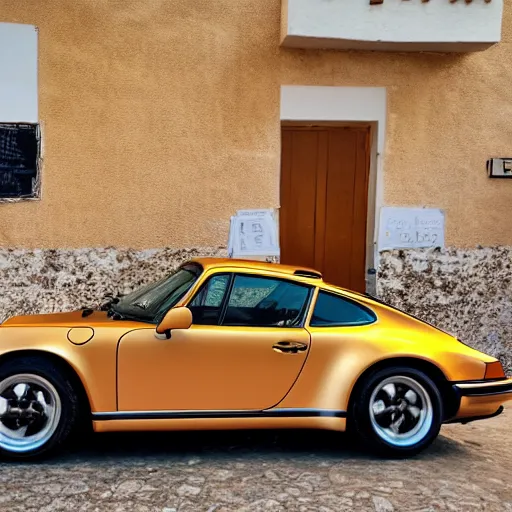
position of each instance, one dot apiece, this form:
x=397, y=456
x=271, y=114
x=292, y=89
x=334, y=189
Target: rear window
x=332, y=310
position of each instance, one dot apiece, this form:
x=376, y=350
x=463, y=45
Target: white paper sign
x=254, y=213
x=410, y=228
x=18, y=65
x=253, y=233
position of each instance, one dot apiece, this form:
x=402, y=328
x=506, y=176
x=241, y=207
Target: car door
x=245, y=349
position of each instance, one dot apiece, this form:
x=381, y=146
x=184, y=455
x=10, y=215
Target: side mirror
x=177, y=318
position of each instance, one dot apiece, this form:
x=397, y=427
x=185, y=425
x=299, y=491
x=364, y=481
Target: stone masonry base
x=467, y=292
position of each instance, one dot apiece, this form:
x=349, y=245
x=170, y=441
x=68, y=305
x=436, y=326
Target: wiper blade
x=112, y=313
x=112, y=300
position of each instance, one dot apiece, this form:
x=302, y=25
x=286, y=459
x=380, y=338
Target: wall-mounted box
x=392, y=25
x=499, y=167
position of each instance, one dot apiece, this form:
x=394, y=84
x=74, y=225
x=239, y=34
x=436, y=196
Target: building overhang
x=392, y=25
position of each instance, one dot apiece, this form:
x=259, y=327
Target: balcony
x=392, y=25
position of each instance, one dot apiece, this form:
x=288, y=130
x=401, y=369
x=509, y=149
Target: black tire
x=364, y=421
x=70, y=409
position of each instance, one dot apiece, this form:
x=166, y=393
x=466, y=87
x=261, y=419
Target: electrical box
x=499, y=167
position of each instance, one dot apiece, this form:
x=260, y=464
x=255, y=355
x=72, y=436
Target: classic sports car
x=227, y=344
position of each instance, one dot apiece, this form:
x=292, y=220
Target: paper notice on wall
x=18, y=83
x=410, y=228
x=253, y=233
x=254, y=213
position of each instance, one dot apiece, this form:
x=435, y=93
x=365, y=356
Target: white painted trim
x=345, y=104
x=438, y=25
x=321, y=103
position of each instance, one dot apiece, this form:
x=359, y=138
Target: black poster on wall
x=19, y=153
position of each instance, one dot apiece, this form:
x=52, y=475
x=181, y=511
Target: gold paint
x=177, y=318
x=337, y=424
x=80, y=335
x=230, y=368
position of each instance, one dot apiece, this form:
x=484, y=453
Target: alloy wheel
x=30, y=411
x=401, y=411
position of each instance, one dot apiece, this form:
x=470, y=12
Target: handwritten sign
x=410, y=228
x=253, y=233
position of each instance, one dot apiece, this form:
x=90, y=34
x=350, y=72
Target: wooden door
x=324, y=201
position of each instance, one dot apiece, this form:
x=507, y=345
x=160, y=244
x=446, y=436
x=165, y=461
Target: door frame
x=370, y=257
x=345, y=106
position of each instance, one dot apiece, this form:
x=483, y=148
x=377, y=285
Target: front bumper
x=481, y=400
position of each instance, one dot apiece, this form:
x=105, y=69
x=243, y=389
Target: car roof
x=289, y=270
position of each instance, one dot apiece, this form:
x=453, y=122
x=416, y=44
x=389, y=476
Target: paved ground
x=469, y=468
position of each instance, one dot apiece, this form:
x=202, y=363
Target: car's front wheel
x=38, y=407
x=398, y=411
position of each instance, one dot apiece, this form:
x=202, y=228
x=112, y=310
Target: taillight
x=494, y=370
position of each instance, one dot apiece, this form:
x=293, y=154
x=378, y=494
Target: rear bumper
x=481, y=400
x=469, y=419
x=496, y=388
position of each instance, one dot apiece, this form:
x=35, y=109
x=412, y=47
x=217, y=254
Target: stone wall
x=44, y=281
x=466, y=292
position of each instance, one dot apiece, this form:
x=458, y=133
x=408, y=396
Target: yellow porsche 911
x=227, y=344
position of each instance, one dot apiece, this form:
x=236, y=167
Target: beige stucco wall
x=161, y=118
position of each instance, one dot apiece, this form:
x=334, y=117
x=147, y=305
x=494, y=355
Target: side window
x=263, y=302
x=207, y=304
x=332, y=310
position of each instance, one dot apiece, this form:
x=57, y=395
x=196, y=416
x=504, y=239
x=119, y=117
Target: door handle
x=290, y=347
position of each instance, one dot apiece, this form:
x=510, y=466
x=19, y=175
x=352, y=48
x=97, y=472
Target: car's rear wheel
x=398, y=411
x=38, y=407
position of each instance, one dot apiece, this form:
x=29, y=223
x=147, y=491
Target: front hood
x=71, y=319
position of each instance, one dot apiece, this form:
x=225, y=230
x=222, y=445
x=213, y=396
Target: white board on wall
x=18, y=73
x=410, y=228
x=253, y=233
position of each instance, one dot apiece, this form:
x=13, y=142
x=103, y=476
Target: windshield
x=151, y=302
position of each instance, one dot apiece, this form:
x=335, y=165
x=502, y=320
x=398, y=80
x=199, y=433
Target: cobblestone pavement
x=468, y=468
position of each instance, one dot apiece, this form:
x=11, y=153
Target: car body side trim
x=169, y=415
